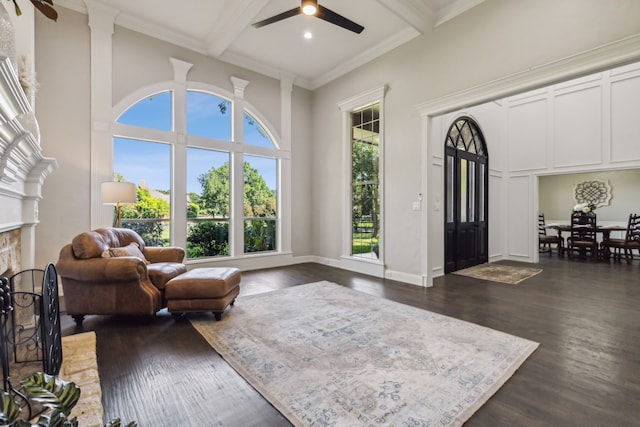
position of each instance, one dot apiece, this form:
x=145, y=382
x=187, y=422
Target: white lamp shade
x=114, y=193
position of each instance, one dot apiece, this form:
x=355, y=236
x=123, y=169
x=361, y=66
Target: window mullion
x=179, y=167
x=236, y=225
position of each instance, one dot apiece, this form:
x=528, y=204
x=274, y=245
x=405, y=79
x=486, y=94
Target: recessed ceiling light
x=308, y=35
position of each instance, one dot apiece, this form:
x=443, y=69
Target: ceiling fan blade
x=339, y=20
x=279, y=17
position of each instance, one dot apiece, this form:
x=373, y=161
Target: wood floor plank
x=586, y=371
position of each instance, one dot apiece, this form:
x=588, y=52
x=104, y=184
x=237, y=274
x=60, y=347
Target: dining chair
x=583, y=235
x=628, y=244
x=545, y=241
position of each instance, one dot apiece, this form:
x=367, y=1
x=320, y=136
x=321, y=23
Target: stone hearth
x=10, y=253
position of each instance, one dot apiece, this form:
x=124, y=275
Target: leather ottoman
x=203, y=289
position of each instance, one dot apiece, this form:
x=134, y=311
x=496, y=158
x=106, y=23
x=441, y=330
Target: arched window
x=197, y=183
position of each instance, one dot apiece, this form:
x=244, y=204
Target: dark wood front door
x=466, y=196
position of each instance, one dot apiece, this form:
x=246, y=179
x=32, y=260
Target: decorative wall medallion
x=597, y=192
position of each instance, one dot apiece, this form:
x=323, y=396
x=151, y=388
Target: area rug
x=325, y=355
x=499, y=273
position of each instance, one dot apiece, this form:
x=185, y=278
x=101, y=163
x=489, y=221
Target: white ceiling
x=222, y=29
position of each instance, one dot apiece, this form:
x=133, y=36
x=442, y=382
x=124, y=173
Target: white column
x=179, y=180
x=101, y=22
x=284, y=176
x=236, y=225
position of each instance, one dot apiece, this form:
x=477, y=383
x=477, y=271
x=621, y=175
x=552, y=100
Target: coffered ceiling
x=222, y=29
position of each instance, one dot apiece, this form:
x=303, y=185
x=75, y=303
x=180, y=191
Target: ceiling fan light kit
x=312, y=8
x=309, y=7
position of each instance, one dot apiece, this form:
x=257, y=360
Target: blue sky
x=150, y=161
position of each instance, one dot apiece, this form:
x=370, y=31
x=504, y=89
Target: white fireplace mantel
x=23, y=168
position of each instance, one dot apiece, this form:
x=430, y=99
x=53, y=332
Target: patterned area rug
x=325, y=355
x=499, y=273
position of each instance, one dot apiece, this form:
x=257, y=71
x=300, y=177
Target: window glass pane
x=454, y=133
x=365, y=203
x=147, y=164
x=259, y=235
x=208, y=199
x=472, y=147
x=463, y=190
x=472, y=191
x=207, y=238
x=152, y=112
x=208, y=116
x=260, y=183
x=254, y=133
x=481, y=189
x=467, y=135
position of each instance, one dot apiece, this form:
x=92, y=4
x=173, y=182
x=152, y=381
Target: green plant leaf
x=117, y=423
x=56, y=419
x=51, y=391
x=9, y=409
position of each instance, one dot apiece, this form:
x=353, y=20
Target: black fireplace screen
x=29, y=326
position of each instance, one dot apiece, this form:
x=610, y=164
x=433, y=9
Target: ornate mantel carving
x=21, y=158
x=23, y=168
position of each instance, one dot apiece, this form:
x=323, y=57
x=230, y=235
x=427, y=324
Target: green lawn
x=363, y=243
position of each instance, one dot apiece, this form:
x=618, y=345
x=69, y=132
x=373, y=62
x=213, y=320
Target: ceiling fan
x=312, y=8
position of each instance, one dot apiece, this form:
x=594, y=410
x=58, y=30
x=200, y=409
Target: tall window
x=149, y=149
x=208, y=203
x=150, y=216
x=365, y=183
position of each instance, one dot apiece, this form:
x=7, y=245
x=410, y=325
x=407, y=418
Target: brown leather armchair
x=111, y=271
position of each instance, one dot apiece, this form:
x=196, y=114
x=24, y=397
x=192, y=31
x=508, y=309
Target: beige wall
x=63, y=112
x=556, y=195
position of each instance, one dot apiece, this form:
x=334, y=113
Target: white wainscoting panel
x=438, y=134
x=578, y=127
x=489, y=117
x=520, y=217
x=527, y=134
x=498, y=210
x=625, y=118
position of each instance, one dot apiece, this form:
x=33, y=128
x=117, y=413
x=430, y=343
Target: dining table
x=604, y=230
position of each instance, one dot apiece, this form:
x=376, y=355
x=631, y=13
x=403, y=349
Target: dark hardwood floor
x=586, y=372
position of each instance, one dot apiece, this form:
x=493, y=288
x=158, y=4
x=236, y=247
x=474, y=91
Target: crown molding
x=413, y=12
x=454, y=9
x=618, y=53
x=368, y=55
x=260, y=68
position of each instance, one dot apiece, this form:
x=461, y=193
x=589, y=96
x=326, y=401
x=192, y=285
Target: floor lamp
x=117, y=193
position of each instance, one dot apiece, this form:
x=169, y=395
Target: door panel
x=466, y=238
